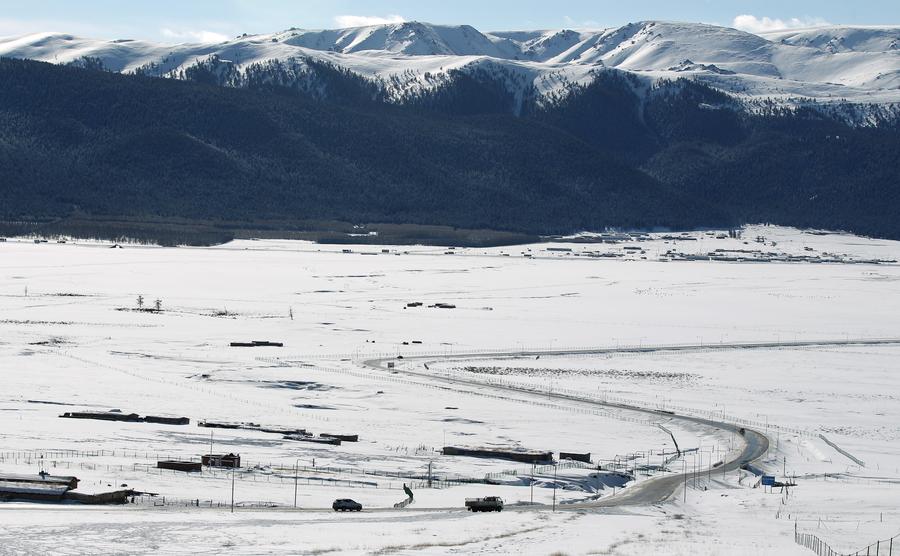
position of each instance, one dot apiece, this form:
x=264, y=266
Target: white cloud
x=364, y=20
x=753, y=24
x=584, y=24
x=194, y=35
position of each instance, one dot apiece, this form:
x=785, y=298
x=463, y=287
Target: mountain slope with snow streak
x=857, y=65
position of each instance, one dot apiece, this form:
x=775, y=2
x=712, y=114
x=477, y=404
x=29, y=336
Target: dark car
x=346, y=505
x=487, y=504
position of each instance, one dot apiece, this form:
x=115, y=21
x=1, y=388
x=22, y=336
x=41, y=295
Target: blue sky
x=191, y=20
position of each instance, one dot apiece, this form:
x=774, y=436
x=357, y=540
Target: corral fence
x=822, y=548
x=539, y=470
x=251, y=476
x=168, y=501
x=256, y=471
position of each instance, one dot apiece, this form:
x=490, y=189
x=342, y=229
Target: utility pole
x=532, y=482
x=554, y=486
x=684, y=472
x=232, y=490
x=296, y=472
x=698, y=466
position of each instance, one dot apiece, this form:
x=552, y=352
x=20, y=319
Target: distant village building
x=221, y=460
x=186, y=466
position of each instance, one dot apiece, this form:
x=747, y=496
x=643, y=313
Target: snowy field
x=73, y=338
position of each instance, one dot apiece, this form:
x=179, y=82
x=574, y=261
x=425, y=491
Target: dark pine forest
x=85, y=143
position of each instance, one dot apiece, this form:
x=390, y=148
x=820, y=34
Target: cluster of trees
x=156, y=307
x=134, y=147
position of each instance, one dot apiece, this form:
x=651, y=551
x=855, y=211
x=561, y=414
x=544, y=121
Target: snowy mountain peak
x=829, y=64
x=411, y=38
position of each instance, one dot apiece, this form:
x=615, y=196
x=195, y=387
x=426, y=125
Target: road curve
x=654, y=490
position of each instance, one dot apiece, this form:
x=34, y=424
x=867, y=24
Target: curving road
x=654, y=490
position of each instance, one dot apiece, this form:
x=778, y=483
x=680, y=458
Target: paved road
x=661, y=488
x=723, y=346
x=656, y=489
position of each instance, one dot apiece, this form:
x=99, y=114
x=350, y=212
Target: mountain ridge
x=829, y=65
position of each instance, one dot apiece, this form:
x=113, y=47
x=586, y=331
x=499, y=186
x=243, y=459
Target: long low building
x=514, y=455
x=40, y=479
x=45, y=487
x=50, y=492
x=126, y=417
x=42, y=487
x=186, y=466
x=103, y=416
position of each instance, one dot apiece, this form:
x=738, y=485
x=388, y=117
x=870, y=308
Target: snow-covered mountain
x=857, y=65
x=841, y=39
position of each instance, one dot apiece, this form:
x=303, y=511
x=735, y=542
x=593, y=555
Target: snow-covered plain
x=71, y=339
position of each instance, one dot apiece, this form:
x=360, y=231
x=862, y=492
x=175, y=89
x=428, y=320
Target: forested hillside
x=82, y=141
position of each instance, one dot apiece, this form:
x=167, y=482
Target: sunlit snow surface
x=830, y=64
x=70, y=340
